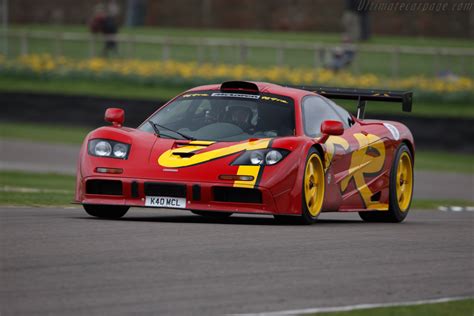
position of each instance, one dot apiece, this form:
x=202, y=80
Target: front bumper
x=200, y=196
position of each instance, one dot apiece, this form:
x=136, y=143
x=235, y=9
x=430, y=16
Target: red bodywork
x=357, y=166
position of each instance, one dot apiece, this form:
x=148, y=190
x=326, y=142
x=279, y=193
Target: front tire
x=313, y=189
x=106, y=211
x=400, y=190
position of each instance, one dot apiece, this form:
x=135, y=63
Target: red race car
x=259, y=148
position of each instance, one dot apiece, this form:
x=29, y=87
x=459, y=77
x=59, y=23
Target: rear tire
x=216, y=215
x=400, y=190
x=106, y=211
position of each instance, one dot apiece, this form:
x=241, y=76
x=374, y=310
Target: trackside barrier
x=320, y=51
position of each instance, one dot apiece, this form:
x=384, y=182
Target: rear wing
x=362, y=96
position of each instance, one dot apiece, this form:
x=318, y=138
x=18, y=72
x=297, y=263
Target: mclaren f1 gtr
x=253, y=147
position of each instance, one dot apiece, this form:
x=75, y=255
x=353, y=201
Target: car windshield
x=221, y=116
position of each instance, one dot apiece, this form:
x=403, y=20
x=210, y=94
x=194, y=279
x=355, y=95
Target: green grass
x=114, y=89
x=43, y=133
x=120, y=89
x=379, y=63
x=444, y=161
x=53, y=189
x=434, y=204
x=257, y=34
x=456, y=308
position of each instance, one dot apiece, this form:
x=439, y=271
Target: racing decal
x=192, y=146
x=268, y=98
x=368, y=159
x=190, y=95
x=393, y=130
x=236, y=95
x=171, y=160
x=247, y=171
x=273, y=98
x=331, y=144
x=202, y=142
x=188, y=149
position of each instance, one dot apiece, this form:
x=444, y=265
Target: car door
x=337, y=148
x=358, y=173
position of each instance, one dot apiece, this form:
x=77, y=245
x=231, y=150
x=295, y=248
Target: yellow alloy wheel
x=314, y=185
x=404, y=182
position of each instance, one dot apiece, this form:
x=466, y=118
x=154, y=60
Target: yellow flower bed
x=206, y=73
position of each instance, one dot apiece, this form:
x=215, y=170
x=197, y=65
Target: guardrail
x=319, y=51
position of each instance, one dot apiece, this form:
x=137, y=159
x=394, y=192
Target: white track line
x=355, y=307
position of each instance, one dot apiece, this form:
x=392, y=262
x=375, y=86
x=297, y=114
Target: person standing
x=355, y=21
x=350, y=21
x=110, y=28
x=96, y=22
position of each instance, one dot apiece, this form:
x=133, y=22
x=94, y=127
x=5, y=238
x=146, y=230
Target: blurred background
x=62, y=62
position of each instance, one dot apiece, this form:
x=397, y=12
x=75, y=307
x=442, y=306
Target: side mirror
x=115, y=116
x=332, y=128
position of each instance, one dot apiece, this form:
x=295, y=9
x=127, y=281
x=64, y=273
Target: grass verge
x=254, y=34
x=114, y=89
x=434, y=204
x=444, y=161
x=456, y=308
x=58, y=134
x=20, y=188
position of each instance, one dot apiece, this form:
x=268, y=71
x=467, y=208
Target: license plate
x=165, y=201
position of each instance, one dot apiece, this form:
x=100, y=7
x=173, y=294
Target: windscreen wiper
x=157, y=131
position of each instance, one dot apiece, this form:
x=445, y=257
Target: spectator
x=98, y=16
x=110, y=27
x=364, y=23
x=355, y=21
x=105, y=21
x=350, y=21
x=342, y=57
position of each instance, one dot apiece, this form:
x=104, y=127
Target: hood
x=179, y=154
x=169, y=160
x=199, y=160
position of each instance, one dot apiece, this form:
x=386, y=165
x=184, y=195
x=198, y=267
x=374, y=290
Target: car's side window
x=345, y=116
x=315, y=111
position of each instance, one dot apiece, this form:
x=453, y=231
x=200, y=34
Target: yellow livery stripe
x=247, y=171
x=169, y=160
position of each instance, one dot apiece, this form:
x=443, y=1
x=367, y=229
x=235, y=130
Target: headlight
x=120, y=150
x=108, y=148
x=256, y=157
x=272, y=157
x=267, y=157
x=102, y=149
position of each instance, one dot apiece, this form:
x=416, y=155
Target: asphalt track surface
x=169, y=262
x=39, y=157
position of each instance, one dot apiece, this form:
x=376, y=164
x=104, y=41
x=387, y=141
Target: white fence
x=394, y=58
